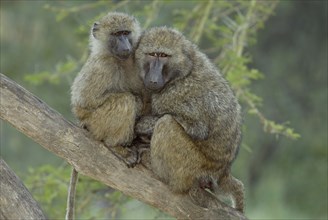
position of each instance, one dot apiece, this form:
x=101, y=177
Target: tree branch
x=16, y=202
x=34, y=118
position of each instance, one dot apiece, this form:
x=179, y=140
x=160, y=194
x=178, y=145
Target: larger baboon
x=195, y=115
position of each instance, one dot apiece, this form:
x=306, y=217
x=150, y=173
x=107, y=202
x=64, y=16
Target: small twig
x=71, y=195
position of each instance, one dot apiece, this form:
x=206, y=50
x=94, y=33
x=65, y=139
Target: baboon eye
x=154, y=54
x=119, y=33
x=126, y=32
x=163, y=55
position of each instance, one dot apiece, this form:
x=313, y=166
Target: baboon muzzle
x=124, y=46
x=154, y=78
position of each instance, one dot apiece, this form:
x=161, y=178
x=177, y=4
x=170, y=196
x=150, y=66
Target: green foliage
x=62, y=70
x=48, y=185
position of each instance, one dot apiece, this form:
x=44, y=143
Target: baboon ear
x=95, y=28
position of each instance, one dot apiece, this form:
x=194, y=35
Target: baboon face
x=119, y=33
x=120, y=44
x=163, y=55
x=156, y=75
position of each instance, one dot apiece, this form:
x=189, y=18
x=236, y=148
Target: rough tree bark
x=16, y=202
x=34, y=118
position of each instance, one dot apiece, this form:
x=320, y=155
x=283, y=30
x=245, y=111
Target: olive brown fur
x=106, y=95
x=195, y=119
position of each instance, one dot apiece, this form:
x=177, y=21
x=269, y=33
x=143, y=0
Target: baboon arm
x=190, y=113
x=196, y=129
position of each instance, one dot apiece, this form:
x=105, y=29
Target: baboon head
x=118, y=33
x=164, y=55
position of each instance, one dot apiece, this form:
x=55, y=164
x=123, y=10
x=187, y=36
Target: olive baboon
x=195, y=118
x=107, y=93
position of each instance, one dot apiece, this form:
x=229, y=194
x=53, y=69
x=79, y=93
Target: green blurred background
x=284, y=178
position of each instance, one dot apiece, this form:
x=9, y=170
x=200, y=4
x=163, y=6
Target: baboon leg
x=113, y=122
x=173, y=155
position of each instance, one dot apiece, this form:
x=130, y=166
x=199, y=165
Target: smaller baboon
x=107, y=93
x=195, y=119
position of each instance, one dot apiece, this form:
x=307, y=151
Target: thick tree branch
x=47, y=127
x=16, y=202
